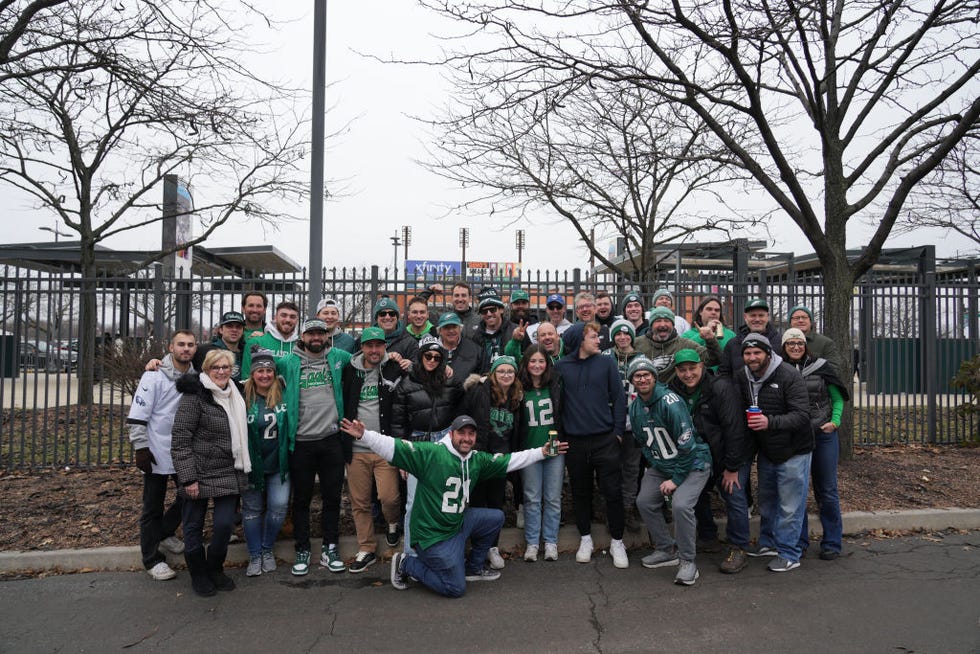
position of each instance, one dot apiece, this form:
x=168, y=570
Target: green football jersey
x=444, y=482
x=540, y=413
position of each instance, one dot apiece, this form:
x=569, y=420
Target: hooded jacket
x=666, y=435
x=731, y=357
x=662, y=352
x=780, y=393
x=719, y=419
x=592, y=400
x=151, y=416
x=202, y=442
x=445, y=478
x=271, y=340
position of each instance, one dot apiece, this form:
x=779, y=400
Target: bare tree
x=949, y=198
x=20, y=23
x=849, y=105
x=167, y=93
x=599, y=155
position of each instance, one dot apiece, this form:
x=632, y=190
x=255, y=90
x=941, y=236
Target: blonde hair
x=212, y=357
x=272, y=397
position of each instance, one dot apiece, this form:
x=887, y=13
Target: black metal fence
x=912, y=328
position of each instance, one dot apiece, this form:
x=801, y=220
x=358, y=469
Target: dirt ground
x=75, y=508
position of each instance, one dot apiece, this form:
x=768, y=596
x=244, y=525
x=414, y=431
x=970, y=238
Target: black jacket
x=415, y=410
x=468, y=358
x=731, y=357
x=718, y=418
x=783, y=399
x=352, y=378
x=493, y=344
x=496, y=427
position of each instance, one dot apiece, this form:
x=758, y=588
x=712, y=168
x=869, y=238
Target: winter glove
x=144, y=459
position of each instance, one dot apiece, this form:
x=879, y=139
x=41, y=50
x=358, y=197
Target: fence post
x=374, y=284
x=576, y=286
x=159, y=330
x=973, y=305
x=740, y=275
x=927, y=331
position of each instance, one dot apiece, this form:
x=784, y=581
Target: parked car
x=45, y=356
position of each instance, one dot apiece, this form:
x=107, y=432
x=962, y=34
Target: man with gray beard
x=314, y=397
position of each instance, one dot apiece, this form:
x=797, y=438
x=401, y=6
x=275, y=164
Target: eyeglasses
x=796, y=345
x=221, y=368
x=505, y=373
x=488, y=310
x=432, y=356
x=388, y=314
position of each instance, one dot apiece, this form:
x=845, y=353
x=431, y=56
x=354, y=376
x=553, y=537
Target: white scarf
x=234, y=406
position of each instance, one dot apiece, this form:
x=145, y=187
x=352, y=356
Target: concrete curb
x=128, y=558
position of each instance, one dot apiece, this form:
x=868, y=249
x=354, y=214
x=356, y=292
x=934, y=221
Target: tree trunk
x=87, y=326
x=839, y=292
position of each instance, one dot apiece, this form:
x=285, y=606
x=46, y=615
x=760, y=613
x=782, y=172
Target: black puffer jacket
x=731, y=357
x=415, y=410
x=201, y=445
x=783, y=399
x=496, y=427
x=718, y=418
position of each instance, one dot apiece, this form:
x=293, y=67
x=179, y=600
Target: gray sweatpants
x=650, y=502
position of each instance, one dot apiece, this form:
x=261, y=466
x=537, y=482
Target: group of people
x=429, y=414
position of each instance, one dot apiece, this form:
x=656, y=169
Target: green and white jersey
x=540, y=413
x=444, y=480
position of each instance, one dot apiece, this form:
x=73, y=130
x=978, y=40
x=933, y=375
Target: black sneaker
x=392, y=537
x=362, y=562
x=398, y=577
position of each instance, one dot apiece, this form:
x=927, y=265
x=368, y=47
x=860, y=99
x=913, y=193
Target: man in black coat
x=720, y=421
x=757, y=321
x=777, y=407
x=463, y=356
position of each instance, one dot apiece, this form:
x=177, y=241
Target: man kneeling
x=441, y=520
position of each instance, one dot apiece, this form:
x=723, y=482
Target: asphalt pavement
x=910, y=594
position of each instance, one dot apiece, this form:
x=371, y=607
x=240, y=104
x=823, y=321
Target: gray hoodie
x=318, y=414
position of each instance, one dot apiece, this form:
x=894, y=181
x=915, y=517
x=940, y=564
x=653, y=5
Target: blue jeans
x=260, y=534
x=411, y=484
x=736, y=508
x=823, y=471
x=783, y=489
x=542, y=489
x=443, y=567
x=223, y=518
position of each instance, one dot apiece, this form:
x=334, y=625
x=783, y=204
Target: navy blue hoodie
x=593, y=401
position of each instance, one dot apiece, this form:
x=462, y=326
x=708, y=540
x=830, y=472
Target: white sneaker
x=551, y=551
x=531, y=553
x=496, y=561
x=161, y=572
x=173, y=545
x=584, y=554
x=520, y=516
x=618, y=552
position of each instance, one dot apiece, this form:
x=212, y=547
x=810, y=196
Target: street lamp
x=54, y=230
x=406, y=239
x=395, y=241
x=464, y=240
x=520, y=246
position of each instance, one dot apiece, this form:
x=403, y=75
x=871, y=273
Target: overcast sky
x=386, y=188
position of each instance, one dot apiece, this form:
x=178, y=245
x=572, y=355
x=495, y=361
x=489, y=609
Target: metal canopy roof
x=65, y=256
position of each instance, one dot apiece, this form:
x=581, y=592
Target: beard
x=315, y=348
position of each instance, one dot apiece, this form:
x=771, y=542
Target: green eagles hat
x=659, y=313
x=385, y=304
x=518, y=295
x=372, y=334
x=757, y=303
x=622, y=326
x=504, y=360
x=630, y=297
x=449, y=318
x=686, y=355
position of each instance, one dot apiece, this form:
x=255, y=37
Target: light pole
x=406, y=239
x=464, y=240
x=520, y=247
x=317, y=148
x=395, y=241
x=54, y=230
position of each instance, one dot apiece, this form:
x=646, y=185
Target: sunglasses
x=555, y=307
x=431, y=356
x=387, y=314
x=488, y=310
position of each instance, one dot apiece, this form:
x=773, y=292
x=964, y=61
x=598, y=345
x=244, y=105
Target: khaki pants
x=365, y=468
